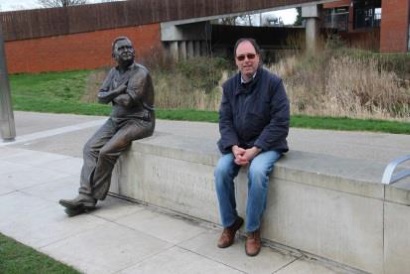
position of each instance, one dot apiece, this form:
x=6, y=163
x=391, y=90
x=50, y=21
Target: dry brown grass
x=344, y=86
x=173, y=90
x=358, y=89
x=94, y=82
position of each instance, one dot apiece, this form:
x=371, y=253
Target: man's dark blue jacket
x=254, y=114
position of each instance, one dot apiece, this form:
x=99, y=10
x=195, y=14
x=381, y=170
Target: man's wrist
x=257, y=149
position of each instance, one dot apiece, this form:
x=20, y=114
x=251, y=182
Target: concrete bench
x=331, y=207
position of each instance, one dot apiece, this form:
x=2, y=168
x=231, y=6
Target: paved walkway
x=43, y=164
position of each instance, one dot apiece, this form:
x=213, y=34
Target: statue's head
x=122, y=50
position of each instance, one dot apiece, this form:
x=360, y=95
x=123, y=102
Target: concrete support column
x=173, y=50
x=312, y=34
x=197, y=48
x=311, y=14
x=182, y=50
x=204, y=48
x=7, y=126
x=190, y=49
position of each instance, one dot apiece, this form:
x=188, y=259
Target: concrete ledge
x=332, y=207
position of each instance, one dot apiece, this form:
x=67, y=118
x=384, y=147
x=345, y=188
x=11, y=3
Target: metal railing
x=389, y=177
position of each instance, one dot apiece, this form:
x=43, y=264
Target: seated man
x=128, y=86
x=254, y=124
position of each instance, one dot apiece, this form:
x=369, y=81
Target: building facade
x=379, y=24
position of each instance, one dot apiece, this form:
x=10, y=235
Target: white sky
x=288, y=16
x=7, y=5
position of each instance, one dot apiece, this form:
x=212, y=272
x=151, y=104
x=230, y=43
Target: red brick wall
x=367, y=40
x=78, y=51
x=336, y=4
x=394, y=25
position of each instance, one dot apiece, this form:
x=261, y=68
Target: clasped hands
x=244, y=156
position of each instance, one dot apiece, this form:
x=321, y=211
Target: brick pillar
x=394, y=29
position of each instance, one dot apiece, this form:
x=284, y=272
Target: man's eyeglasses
x=250, y=56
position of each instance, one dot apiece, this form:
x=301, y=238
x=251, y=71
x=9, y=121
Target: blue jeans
x=258, y=179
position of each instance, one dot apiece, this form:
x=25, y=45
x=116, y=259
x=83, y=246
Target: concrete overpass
x=187, y=38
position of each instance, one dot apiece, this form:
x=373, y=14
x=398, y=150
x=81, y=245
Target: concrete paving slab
x=268, y=260
x=113, y=208
x=181, y=261
x=70, y=143
x=303, y=266
x=153, y=223
x=107, y=248
x=34, y=122
x=29, y=157
x=6, y=152
x=5, y=189
x=55, y=190
x=8, y=167
x=68, y=165
x=17, y=204
x=29, y=176
x=36, y=222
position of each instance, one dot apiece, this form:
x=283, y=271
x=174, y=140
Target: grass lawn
x=16, y=258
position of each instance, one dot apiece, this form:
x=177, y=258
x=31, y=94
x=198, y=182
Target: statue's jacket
x=140, y=91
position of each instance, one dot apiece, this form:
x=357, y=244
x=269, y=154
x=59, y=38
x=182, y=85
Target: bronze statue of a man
x=129, y=88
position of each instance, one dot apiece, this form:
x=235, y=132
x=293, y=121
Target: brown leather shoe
x=253, y=243
x=228, y=234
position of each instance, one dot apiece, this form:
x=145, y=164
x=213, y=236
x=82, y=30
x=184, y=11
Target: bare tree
x=243, y=19
x=60, y=3
x=231, y=21
x=246, y=19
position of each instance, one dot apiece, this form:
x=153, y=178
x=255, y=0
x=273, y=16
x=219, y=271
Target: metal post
x=7, y=127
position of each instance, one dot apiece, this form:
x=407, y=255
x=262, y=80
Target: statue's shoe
x=77, y=211
x=81, y=201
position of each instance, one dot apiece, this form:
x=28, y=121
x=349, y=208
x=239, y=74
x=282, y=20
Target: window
x=366, y=13
x=337, y=18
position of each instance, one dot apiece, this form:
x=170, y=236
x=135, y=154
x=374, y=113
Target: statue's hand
x=122, y=88
x=123, y=100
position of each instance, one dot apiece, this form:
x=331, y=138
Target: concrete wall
x=78, y=51
x=331, y=207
